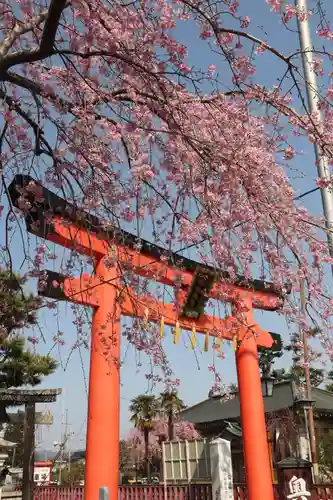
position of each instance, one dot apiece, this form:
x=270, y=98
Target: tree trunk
x=170, y=425
x=147, y=462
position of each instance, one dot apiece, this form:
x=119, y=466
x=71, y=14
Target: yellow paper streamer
x=219, y=344
x=162, y=327
x=234, y=343
x=177, y=333
x=206, y=342
x=193, y=337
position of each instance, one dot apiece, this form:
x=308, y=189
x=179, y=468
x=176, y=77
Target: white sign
x=297, y=486
x=221, y=469
x=42, y=475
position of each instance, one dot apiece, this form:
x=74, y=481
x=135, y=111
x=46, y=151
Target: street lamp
x=267, y=386
x=303, y=404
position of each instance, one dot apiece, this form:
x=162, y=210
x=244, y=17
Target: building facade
x=287, y=432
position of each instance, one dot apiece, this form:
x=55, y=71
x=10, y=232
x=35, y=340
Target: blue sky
x=189, y=366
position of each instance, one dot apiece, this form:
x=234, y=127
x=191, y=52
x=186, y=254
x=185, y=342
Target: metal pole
x=60, y=468
x=311, y=426
x=312, y=98
x=307, y=433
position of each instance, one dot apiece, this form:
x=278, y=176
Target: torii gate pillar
x=102, y=448
x=256, y=451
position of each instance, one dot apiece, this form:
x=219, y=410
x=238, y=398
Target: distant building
x=79, y=456
x=286, y=425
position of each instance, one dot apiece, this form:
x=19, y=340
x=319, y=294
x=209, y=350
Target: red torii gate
x=52, y=218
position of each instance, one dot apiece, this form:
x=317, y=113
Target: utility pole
x=64, y=438
x=310, y=78
x=69, y=459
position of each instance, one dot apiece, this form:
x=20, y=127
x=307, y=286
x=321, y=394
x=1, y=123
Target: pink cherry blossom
x=275, y=5
x=108, y=107
x=183, y=431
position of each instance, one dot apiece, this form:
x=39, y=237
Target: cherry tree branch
x=256, y=40
x=13, y=105
x=20, y=29
x=51, y=25
x=51, y=18
x=217, y=30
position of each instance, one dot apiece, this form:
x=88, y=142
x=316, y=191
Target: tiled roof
x=217, y=408
x=324, y=400
x=28, y=395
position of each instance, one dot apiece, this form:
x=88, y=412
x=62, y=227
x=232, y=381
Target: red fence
x=157, y=492
x=58, y=493
x=240, y=492
x=323, y=492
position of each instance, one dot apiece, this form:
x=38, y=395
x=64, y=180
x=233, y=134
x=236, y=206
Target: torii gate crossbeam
x=53, y=219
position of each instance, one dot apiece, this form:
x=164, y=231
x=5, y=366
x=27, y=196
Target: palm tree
x=171, y=404
x=144, y=409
